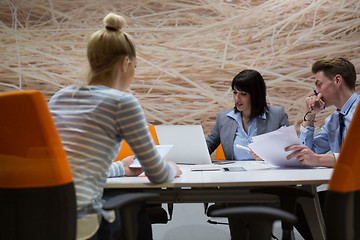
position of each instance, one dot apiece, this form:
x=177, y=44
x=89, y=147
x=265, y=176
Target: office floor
x=190, y=222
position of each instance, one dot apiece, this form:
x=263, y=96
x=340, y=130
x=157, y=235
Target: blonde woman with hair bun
x=93, y=120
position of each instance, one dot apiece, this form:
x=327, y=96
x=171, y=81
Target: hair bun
x=114, y=22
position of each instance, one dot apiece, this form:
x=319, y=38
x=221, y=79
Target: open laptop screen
x=189, y=143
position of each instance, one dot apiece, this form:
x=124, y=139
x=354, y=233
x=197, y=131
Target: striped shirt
x=92, y=121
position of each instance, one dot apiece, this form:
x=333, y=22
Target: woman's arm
x=134, y=129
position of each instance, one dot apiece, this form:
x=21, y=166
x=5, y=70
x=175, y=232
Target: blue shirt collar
x=345, y=109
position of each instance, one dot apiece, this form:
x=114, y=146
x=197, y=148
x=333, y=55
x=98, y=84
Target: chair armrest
x=125, y=199
x=255, y=213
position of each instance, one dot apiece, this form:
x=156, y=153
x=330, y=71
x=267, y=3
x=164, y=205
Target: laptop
x=189, y=145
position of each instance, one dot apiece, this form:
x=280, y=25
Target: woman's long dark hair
x=252, y=82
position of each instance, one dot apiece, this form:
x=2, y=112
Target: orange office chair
x=342, y=207
x=37, y=196
x=219, y=153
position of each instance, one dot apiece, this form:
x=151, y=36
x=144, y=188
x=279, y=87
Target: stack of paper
x=270, y=147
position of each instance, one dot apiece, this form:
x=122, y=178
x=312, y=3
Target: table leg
x=313, y=213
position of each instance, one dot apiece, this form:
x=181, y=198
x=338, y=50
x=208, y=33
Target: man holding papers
x=334, y=86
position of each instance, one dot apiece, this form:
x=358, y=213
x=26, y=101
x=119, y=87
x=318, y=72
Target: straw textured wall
x=188, y=51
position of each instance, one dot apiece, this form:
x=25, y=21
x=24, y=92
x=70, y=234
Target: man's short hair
x=332, y=67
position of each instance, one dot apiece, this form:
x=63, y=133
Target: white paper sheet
x=270, y=147
x=162, y=150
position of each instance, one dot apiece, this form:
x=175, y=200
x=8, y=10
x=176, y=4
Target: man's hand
x=130, y=172
x=307, y=157
x=314, y=104
x=303, y=154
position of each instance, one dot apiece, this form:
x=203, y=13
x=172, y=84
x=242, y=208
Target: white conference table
x=223, y=186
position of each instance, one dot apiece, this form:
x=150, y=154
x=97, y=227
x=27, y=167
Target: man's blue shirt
x=328, y=138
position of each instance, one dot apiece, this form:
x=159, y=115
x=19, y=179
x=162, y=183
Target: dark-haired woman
x=251, y=116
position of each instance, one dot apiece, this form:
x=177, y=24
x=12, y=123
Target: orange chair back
x=219, y=153
x=126, y=151
x=342, y=208
x=31, y=153
x=346, y=175
x=37, y=194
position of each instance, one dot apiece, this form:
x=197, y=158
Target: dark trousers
x=239, y=229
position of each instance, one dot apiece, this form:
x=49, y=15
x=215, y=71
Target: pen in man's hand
x=316, y=93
